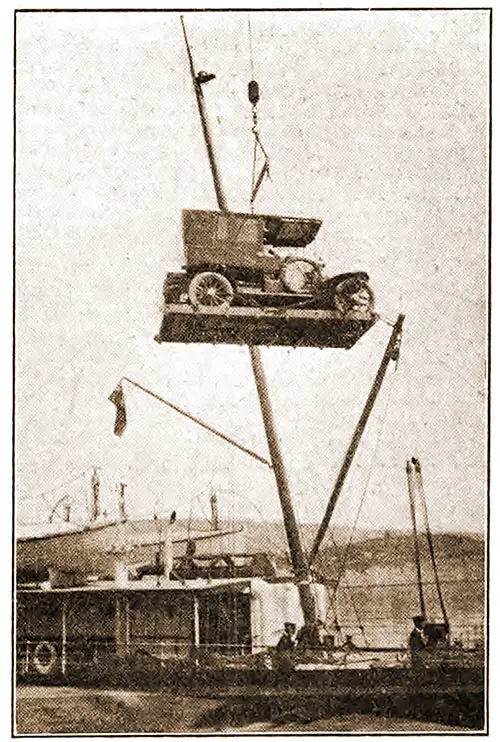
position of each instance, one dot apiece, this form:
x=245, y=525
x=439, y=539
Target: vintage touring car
x=243, y=282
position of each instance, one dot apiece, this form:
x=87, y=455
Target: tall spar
x=297, y=554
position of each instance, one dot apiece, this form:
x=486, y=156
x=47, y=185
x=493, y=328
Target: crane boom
x=391, y=353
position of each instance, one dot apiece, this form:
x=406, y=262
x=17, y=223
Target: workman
x=417, y=640
x=311, y=636
x=287, y=641
x=284, y=659
x=348, y=645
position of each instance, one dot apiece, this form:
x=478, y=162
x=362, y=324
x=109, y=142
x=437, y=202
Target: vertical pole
x=214, y=512
x=297, y=555
x=391, y=354
x=127, y=623
x=411, y=495
x=63, y=638
x=118, y=626
x=200, y=99
x=420, y=491
x=122, y=510
x=299, y=562
x=196, y=628
x=167, y=553
x=96, y=506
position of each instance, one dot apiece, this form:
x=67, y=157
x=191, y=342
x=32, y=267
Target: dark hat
x=289, y=625
x=418, y=619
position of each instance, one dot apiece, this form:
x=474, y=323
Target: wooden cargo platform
x=317, y=328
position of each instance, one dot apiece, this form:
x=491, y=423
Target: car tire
x=210, y=290
x=354, y=298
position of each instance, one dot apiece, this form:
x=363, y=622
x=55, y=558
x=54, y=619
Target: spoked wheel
x=210, y=290
x=354, y=298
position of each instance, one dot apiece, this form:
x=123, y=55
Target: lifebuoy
x=44, y=657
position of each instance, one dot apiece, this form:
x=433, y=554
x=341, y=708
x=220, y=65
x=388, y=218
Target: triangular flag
x=118, y=399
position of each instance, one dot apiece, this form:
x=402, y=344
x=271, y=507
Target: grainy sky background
x=376, y=122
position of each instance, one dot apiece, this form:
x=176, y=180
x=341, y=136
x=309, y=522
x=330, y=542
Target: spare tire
x=354, y=298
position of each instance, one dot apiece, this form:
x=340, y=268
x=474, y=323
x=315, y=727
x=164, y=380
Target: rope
x=250, y=48
x=367, y=482
x=343, y=568
x=479, y=392
x=332, y=597
x=253, y=95
x=44, y=494
x=386, y=321
x=254, y=170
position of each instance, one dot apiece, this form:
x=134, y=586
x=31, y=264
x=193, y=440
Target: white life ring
x=44, y=657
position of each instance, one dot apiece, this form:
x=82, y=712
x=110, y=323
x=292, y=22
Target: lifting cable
x=253, y=97
x=332, y=601
x=332, y=597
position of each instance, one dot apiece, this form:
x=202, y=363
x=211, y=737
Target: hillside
x=367, y=550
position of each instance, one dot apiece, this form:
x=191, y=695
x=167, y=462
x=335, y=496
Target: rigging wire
x=254, y=96
x=342, y=571
x=277, y=546
x=250, y=48
x=479, y=392
x=388, y=322
x=254, y=173
x=67, y=482
x=368, y=478
x=332, y=599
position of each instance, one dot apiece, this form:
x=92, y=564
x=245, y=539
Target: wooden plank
x=317, y=328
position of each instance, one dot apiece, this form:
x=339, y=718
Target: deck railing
x=47, y=656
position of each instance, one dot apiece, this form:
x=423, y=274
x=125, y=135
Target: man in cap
x=284, y=662
x=348, y=645
x=417, y=639
x=287, y=641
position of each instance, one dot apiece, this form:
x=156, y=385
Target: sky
x=376, y=123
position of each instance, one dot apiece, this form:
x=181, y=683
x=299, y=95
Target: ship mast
x=297, y=554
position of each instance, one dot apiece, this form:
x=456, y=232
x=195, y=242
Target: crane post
x=420, y=491
x=200, y=99
x=297, y=554
x=411, y=496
